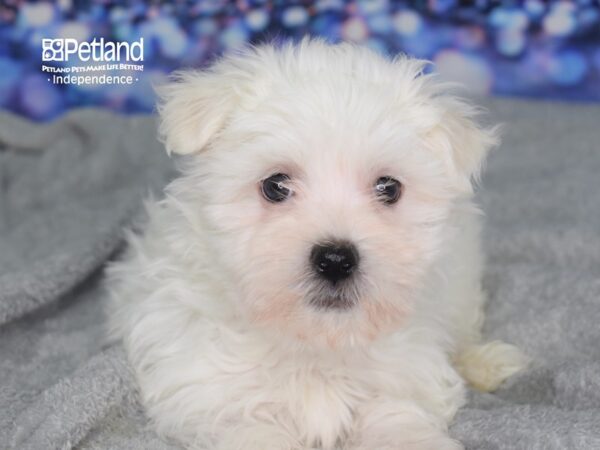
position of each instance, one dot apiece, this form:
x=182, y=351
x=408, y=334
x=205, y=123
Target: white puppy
x=312, y=279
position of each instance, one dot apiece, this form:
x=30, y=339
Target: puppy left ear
x=193, y=107
x=461, y=142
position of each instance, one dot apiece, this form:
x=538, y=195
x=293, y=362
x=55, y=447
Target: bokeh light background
x=531, y=48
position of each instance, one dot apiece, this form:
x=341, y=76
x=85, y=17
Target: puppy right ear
x=192, y=107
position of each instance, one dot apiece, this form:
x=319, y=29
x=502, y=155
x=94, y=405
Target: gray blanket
x=68, y=189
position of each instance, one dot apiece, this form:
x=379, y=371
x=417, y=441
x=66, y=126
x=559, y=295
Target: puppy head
x=326, y=175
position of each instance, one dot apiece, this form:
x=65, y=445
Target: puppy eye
x=274, y=188
x=388, y=190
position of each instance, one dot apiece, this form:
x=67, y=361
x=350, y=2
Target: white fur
x=210, y=300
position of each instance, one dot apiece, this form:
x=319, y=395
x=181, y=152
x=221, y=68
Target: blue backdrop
x=527, y=48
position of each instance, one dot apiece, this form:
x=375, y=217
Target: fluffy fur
x=212, y=300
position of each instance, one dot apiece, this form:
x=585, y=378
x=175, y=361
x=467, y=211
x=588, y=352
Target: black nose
x=334, y=261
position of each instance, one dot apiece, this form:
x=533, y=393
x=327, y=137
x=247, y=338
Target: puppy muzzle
x=334, y=263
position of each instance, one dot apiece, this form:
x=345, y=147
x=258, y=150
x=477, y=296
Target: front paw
x=486, y=366
x=400, y=425
x=258, y=437
x=437, y=441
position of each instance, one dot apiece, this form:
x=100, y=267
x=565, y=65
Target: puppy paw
x=439, y=442
x=258, y=437
x=401, y=425
x=486, y=366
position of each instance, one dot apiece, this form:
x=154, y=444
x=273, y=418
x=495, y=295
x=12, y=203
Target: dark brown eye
x=388, y=190
x=274, y=188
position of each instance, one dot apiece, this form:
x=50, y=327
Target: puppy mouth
x=339, y=303
x=341, y=297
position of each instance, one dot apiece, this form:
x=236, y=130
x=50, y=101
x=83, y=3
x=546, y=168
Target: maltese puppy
x=312, y=277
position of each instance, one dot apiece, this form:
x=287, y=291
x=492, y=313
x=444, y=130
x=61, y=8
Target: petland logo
x=61, y=50
x=95, y=59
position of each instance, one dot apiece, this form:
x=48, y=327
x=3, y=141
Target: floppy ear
x=193, y=107
x=461, y=142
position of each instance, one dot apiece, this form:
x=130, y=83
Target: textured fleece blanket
x=67, y=190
